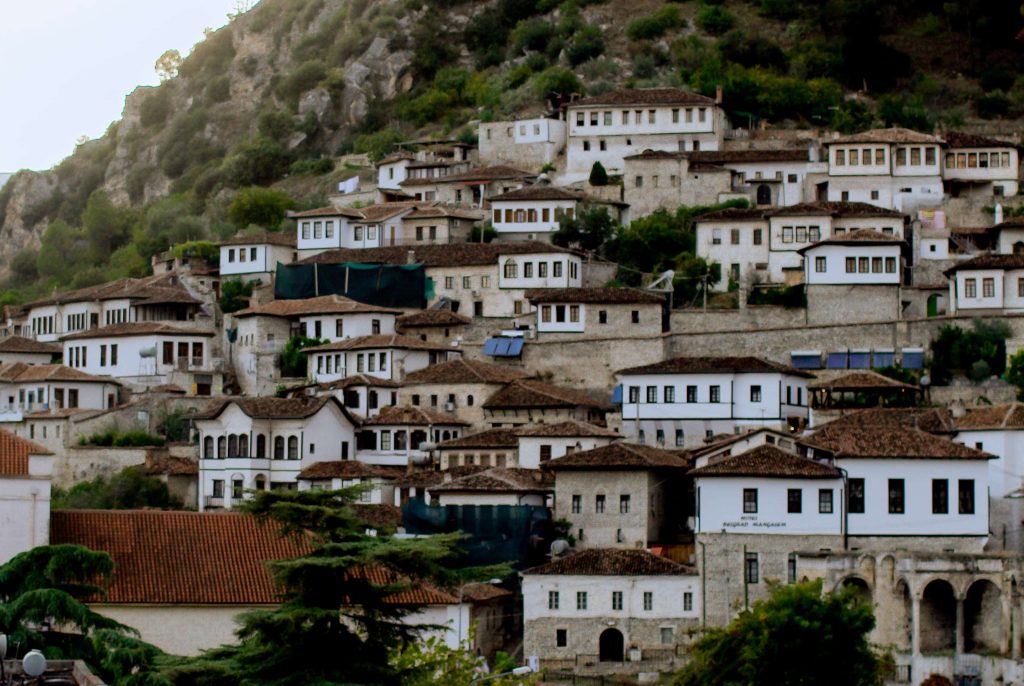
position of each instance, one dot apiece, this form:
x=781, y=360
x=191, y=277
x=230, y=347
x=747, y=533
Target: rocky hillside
x=281, y=92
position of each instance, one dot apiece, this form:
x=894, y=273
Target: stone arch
x=887, y=569
x=764, y=194
x=983, y=617
x=903, y=617
x=938, y=617
x=860, y=586
x=611, y=645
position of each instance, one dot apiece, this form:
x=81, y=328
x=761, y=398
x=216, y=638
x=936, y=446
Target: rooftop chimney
x=718, y=94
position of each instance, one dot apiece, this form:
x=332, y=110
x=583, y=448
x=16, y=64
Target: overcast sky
x=66, y=65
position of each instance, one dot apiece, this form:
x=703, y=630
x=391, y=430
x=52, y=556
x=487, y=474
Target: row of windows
x=237, y=487
x=599, y=504
x=801, y=234
x=315, y=328
x=758, y=176
x=511, y=269
x=432, y=232
x=988, y=287
x=485, y=281
x=794, y=500
x=318, y=229
x=734, y=236
x=861, y=265
x=554, y=600
x=573, y=311
x=531, y=215
x=876, y=156
x=365, y=362
x=77, y=322
x=415, y=400
x=666, y=633
x=119, y=316
x=237, y=445
x=607, y=118
x=977, y=160
x=673, y=180
x=42, y=325
x=113, y=355
x=897, y=496
x=245, y=254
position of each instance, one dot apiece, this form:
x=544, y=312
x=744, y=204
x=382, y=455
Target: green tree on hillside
x=264, y=207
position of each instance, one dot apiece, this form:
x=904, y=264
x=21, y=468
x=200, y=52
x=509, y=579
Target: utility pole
x=705, y=289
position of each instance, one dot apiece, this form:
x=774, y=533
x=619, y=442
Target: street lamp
x=518, y=671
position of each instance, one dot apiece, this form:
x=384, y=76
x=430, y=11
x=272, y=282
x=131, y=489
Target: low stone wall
x=83, y=463
x=849, y=304
x=753, y=317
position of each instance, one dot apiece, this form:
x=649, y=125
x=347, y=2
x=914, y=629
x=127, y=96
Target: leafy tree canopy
x=129, y=489
x=234, y=295
x=264, y=207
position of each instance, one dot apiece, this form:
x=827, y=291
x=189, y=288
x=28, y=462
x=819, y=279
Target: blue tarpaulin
x=805, y=359
x=913, y=358
x=837, y=360
x=860, y=359
x=883, y=358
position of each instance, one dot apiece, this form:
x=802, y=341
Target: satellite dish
x=34, y=664
x=559, y=546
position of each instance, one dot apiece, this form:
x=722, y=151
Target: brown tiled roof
x=461, y=370
x=406, y=415
x=20, y=372
x=1009, y=416
x=424, y=478
x=395, y=157
x=836, y=208
x=544, y=191
x=716, y=443
x=185, y=558
x=892, y=135
x=14, y=452
x=166, y=388
x=612, y=562
x=151, y=289
x=20, y=344
x=768, y=461
x=987, y=262
x=428, y=318
x=733, y=214
x=934, y=420
x=269, y=407
x=435, y=255
x=171, y=465
x=483, y=592
x=566, y=429
x=327, y=212
x=491, y=438
x=495, y=172
x=593, y=295
x=385, y=210
x=379, y=516
x=283, y=238
x=715, y=365
x=856, y=237
x=619, y=456
x=323, y=304
x=885, y=442
x=645, y=96
x=657, y=155
x=417, y=593
x=138, y=329
x=359, y=380
x=741, y=156
x=349, y=469
x=860, y=380
x=384, y=340
x=498, y=480
x=524, y=393
x=960, y=139
x=442, y=212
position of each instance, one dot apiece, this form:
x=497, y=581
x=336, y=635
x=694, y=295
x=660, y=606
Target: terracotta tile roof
x=20, y=372
x=323, y=304
x=327, y=212
x=429, y=318
x=650, y=155
x=20, y=344
x=645, y=96
x=461, y=370
x=384, y=340
x=769, y=462
x=187, y=558
x=442, y=212
x=593, y=295
x=282, y=238
x=716, y=443
x=406, y=415
x=883, y=442
x=497, y=172
x=380, y=515
x=715, y=365
x=349, y=469
x=359, y=380
x=934, y=420
x=866, y=379
x=835, y=208
x=1009, y=416
x=741, y=156
x=739, y=214
x=436, y=255
x=960, y=139
x=612, y=562
x=418, y=593
x=138, y=329
x=171, y=465
x=856, y=237
x=988, y=262
x=372, y=214
x=269, y=407
x=395, y=157
x=14, y=452
x=424, y=478
x=157, y=288
x=491, y=438
x=617, y=456
x=891, y=135
x=498, y=480
x=483, y=592
x=567, y=429
x=524, y=393
x=543, y=191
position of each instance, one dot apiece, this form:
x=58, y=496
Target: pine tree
x=598, y=175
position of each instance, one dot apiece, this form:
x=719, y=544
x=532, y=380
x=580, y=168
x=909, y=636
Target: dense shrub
x=788, y=296
x=293, y=360
x=312, y=166
x=258, y=161
x=586, y=44
x=304, y=77
x=122, y=439
x=655, y=25
x=715, y=20
x=752, y=50
x=210, y=57
x=156, y=107
x=234, y=295
x=129, y=489
x=264, y=207
x=956, y=351
x=532, y=34
x=556, y=81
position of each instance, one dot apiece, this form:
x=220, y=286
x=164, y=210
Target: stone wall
x=83, y=463
x=583, y=634
x=849, y=304
x=970, y=211
x=754, y=317
x=600, y=529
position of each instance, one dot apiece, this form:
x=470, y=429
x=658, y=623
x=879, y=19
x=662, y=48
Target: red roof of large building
x=14, y=452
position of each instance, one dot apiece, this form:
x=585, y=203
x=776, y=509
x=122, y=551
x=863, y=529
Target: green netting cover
x=516, y=534
x=387, y=285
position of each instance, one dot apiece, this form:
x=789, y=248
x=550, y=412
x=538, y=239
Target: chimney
x=410, y=257
x=718, y=94
x=999, y=213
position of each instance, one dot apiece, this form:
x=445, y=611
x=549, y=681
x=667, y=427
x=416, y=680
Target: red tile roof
x=461, y=370
x=880, y=442
x=498, y=480
x=996, y=417
x=861, y=380
x=491, y=438
x=269, y=407
x=388, y=340
x=349, y=469
x=594, y=295
x=959, y=139
x=612, y=562
x=14, y=452
x=836, y=208
x=645, y=96
x=566, y=429
x=767, y=461
x=20, y=344
x=891, y=135
x=988, y=262
x=715, y=365
x=857, y=237
x=324, y=304
x=282, y=238
x=436, y=255
x=742, y=156
x=20, y=372
x=405, y=415
x=138, y=329
x=428, y=318
x=525, y=393
x=619, y=456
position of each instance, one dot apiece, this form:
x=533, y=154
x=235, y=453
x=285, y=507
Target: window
x=670, y=394
x=467, y=282
x=825, y=501
x=715, y=395
x=819, y=265
x=616, y=600
x=635, y=316
x=940, y=496
x=915, y=156
x=623, y=504
x=801, y=234
x=840, y=158
x=511, y=269
x=552, y=600
x=561, y=638
x=639, y=181
x=890, y=265
x=599, y=504
x=577, y=504
x=755, y=394
x=680, y=438
x=966, y=493
x=634, y=394
x=851, y=265
x=652, y=394
x=970, y=288
x=580, y=119
x=687, y=602
x=749, y=500
x=874, y=195
x=855, y=496
x=757, y=237
x=750, y=570
x=667, y=635
x=236, y=489
x=876, y=265
x=648, y=601
x=581, y=600
x=787, y=234
x=791, y=569
x=528, y=270
x=734, y=236
x=650, y=116
x=794, y=501
x=1020, y=288
x=305, y=230
x=863, y=265
x=293, y=448
x=988, y=288
x=897, y=503
x=218, y=488
x=691, y=394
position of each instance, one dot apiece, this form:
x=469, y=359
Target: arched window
x=293, y=448
x=511, y=269
x=208, y=448
x=279, y=448
x=261, y=482
x=222, y=447
x=261, y=446
x=233, y=445
x=243, y=446
x=469, y=401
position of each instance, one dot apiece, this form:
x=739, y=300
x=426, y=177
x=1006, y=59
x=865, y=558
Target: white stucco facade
x=722, y=508
x=25, y=508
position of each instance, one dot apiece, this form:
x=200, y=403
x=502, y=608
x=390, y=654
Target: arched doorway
x=859, y=588
x=938, y=617
x=983, y=615
x=904, y=619
x=611, y=643
x=764, y=194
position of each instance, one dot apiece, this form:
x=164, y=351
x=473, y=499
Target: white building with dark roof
x=980, y=166
x=535, y=212
x=387, y=356
x=255, y=256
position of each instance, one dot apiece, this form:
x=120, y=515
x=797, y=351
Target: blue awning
x=913, y=358
x=883, y=358
x=503, y=347
x=490, y=346
x=860, y=359
x=617, y=395
x=837, y=360
x=805, y=359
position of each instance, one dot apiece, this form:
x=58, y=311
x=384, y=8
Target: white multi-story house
x=777, y=178
x=469, y=188
x=361, y=394
x=535, y=212
x=607, y=128
x=894, y=168
x=607, y=606
x=393, y=170
x=459, y=386
x=26, y=471
x=681, y=401
x=25, y=389
x=332, y=475
x=525, y=143
x=386, y=356
x=596, y=312
x=980, y=166
x=399, y=436
x=540, y=443
x=987, y=283
x=249, y=256
x=496, y=486
x=859, y=257
x=251, y=443
x=327, y=228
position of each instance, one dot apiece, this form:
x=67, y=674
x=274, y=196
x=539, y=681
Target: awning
x=860, y=359
x=883, y=357
x=617, y=395
x=838, y=360
x=805, y=359
x=503, y=347
x=913, y=358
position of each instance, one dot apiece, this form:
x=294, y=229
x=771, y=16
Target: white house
x=26, y=469
x=402, y=436
x=535, y=212
x=25, y=389
x=608, y=127
x=894, y=168
x=596, y=603
x=255, y=256
x=596, y=312
x=767, y=177
x=980, y=166
x=361, y=394
x=858, y=257
x=27, y=350
x=326, y=228
x=987, y=283
x=393, y=170
x=387, y=356
x=469, y=188
x=251, y=444
x=540, y=443
x=681, y=401
x=332, y=475
x=527, y=143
